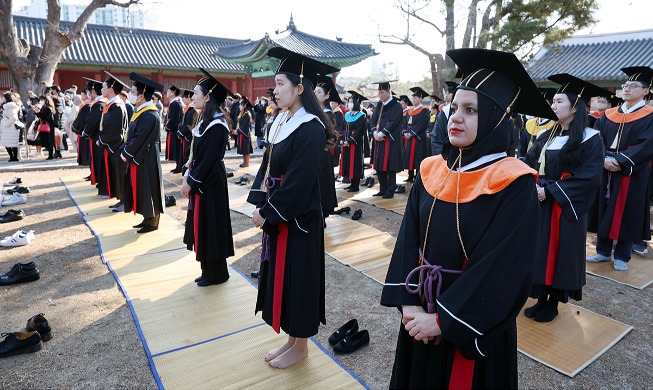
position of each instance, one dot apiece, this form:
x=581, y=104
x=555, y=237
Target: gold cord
x=282, y=121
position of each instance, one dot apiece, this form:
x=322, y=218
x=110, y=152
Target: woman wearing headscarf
x=462, y=266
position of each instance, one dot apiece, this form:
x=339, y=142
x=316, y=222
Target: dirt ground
x=96, y=345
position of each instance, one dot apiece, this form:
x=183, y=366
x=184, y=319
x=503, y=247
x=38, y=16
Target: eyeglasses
x=631, y=86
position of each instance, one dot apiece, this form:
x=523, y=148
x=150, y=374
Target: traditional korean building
x=172, y=58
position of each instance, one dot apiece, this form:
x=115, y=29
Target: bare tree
x=29, y=64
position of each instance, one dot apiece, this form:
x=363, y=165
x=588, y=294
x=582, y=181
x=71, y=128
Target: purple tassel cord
x=270, y=183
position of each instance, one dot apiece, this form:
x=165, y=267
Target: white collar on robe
x=637, y=105
x=217, y=119
x=281, y=129
x=560, y=141
x=485, y=159
x=446, y=109
x=147, y=103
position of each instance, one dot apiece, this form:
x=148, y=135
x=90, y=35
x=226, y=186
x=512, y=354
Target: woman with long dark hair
x=243, y=133
x=326, y=93
x=287, y=197
x=208, y=221
x=45, y=113
x=351, y=164
x=569, y=158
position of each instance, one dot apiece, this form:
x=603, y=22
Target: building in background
x=111, y=15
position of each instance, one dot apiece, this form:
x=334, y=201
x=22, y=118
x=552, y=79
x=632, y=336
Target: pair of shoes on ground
x=345, y=210
x=201, y=282
x=14, y=181
x=618, y=265
x=369, y=182
x=20, y=238
x=243, y=181
x=20, y=273
x=18, y=189
x=640, y=248
x=243, y=165
x=31, y=340
x=14, y=199
x=386, y=194
x=12, y=216
x=348, y=338
x=176, y=170
x=145, y=226
x=118, y=207
x=170, y=200
x=545, y=310
x=400, y=190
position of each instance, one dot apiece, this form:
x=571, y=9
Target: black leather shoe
x=170, y=200
x=357, y=215
x=230, y=174
x=116, y=205
x=346, y=188
x=176, y=170
x=20, y=275
x=31, y=266
x=380, y=193
x=240, y=180
x=87, y=178
x=199, y=278
x=367, y=180
x=142, y=224
x=20, y=342
x=347, y=329
x=353, y=342
x=256, y=274
x=18, y=189
x=12, y=216
x=344, y=210
x=40, y=324
x=400, y=190
x=244, y=181
x=370, y=184
x=389, y=195
x=147, y=229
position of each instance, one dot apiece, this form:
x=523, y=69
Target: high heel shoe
x=344, y=210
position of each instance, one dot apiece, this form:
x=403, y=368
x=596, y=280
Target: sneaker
x=620, y=265
x=14, y=181
x=14, y=200
x=20, y=238
x=640, y=248
x=598, y=258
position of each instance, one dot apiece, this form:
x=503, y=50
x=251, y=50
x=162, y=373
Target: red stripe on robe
x=462, y=372
x=279, y=272
x=168, y=142
x=134, y=179
x=411, y=163
x=106, y=170
x=554, y=243
x=93, y=177
x=618, y=215
x=352, y=154
x=386, y=156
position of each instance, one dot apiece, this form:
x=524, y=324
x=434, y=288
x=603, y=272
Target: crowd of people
x=498, y=163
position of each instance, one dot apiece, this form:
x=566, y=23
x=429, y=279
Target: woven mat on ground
x=573, y=340
x=200, y=338
x=639, y=274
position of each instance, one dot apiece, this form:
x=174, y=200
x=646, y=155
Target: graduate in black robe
x=325, y=92
x=113, y=127
x=287, y=198
x=83, y=145
x=569, y=158
x=144, y=183
x=243, y=131
x=351, y=163
x=623, y=205
x=91, y=132
x=174, y=117
x=386, y=130
x=463, y=262
x=415, y=141
x=529, y=133
x=208, y=221
x=439, y=136
x=184, y=133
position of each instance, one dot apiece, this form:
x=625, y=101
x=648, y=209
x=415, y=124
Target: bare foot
x=293, y=355
x=278, y=351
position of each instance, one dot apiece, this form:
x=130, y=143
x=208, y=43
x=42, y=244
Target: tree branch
x=404, y=41
x=78, y=28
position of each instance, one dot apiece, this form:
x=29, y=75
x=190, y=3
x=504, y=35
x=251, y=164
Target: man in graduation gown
x=144, y=184
x=386, y=130
x=91, y=132
x=439, y=136
x=113, y=127
x=623, y=213
x=83, y=152
x=184, y=133
x=174, y=118
x=414, y=133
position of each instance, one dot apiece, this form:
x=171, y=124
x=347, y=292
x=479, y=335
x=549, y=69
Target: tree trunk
x=471, y=23
x=450, y=30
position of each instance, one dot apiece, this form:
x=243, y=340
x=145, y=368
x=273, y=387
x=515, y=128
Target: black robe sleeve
x=146, y=132
x=256, y=196
x=205, y=168
x=186, y=126
x=175, y=113
x=80, y=120
x=391, y=120
x=440, y=134
x=290, y=200
x=420, y=124
x=244, y=124
x=92, y=125
x=114, y=124
x=375, y=117
x=524, y=139
x=360, y=126
x=638, y=152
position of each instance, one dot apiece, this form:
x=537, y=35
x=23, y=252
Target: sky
x=361, y=22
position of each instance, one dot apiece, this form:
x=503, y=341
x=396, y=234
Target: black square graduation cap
x=548, y=93
x=115, y=83
x=581, y=88
x=219, y=91
x=142, y=82
x=435, y=97
x=357, y=96
x=93, y=84
x=643, y=74
x=300, y=65
x=187, y=93
x=451, y=86
x=174, y=89
x=326, y=83
x=384, y=85
x=246, y=101
x=419, y=92
x=405, y=99
x=502, y=78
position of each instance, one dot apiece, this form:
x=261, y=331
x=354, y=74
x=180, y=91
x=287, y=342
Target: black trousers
x=215, y=271
x=387, y=182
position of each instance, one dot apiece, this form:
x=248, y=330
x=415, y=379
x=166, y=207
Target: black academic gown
x=415, y=147
x=328, y=196
x=560, y=261
x=175, y=116
x=92, y=131
x=143, y=184
x=387, y=120
x=476, y=309
x=208, y=220
x=184, y=133
x=339, y=119
x=440, y=134
x=351, y=164
x=529, y=133
x=429, y=130
x=83, y=145
x=113, y=128
x=622, y=210
x=293, y=221
x=243, y=134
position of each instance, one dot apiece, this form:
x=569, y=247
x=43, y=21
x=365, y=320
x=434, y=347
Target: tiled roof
x=594, y=58
x=116, y=46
